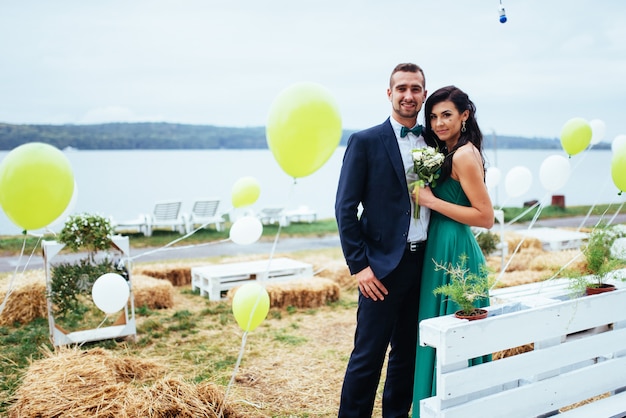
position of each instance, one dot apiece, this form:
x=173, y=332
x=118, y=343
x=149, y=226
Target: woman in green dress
x=459, y=200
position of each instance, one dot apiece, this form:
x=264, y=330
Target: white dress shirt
x=418, y=228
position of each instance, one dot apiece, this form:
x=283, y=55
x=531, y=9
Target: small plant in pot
x=599, y=263
x=465, y=288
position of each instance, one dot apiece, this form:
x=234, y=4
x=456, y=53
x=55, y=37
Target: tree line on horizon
x=163, y=135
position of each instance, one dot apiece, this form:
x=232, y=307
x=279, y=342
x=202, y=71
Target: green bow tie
x=416, y=131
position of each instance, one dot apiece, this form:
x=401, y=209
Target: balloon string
x=15, y=273
x=280, y=224
x=503, y=203
x=580, y=160
x=563, y=267
x=594, y=227
x=169, y=244
x=616, y=213
x=579, y=254
x=10, y=288
x=32, y=252
x=521, y=215
x=232, y=378
x=530, y=225
x=98, y=327
x=241, y=350
x=592, y=206
x=256, y=304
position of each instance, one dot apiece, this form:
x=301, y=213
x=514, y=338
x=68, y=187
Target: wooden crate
x=217, y=279
x=124, y=327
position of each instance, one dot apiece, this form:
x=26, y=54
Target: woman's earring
x=463, y=129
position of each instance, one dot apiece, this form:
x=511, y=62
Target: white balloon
x=492, y=177
x=618, y=248
x=618, y=142
x=518, y=181
x=554, y=172
x=598, y=129
x=110, y=293
x=246, y=230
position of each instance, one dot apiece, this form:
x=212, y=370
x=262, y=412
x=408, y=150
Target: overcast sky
x=223, y=62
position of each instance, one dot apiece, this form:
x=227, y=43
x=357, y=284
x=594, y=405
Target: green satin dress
x=447, y=240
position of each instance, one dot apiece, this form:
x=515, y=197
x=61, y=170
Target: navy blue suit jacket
x=373, y=174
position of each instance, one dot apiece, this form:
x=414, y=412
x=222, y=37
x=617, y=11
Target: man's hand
x=370, y=286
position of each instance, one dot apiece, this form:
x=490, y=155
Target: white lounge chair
x=302, y=214
x=269, y=216
x=203, y=213
x=140, y=224
x=166, y=215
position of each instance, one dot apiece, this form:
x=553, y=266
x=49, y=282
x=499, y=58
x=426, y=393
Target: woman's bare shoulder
x=467, y=151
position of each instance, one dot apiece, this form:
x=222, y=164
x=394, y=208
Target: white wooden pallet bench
x=558, y=288
x=216, y=279
x=579, y=354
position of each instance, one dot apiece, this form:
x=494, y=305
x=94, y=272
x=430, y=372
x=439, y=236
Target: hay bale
x=300, y=293
x=94, y=383
x=522, y=259
x=179, y=274
x=513, y=240
x=515, y=278
x=303, y=293
x=513, y=351
x=152, y=293
x=169, y=397
x=27, y=300
x=338, y=271
x=555, y=260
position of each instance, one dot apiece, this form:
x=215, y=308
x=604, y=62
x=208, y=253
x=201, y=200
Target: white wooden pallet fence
x=579, y=353
x=124, y=327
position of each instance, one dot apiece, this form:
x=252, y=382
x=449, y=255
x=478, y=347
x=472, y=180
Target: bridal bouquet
x=426, y=164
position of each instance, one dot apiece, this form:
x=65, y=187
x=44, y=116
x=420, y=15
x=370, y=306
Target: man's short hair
x=409, y=68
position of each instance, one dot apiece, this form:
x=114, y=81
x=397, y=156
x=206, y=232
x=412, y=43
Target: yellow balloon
x=303, y=128
x=618, y=168
x=576, y=136
x=245, y=192
x=36, y=185
x=251, y=304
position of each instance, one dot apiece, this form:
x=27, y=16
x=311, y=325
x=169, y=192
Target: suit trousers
x=392, y=321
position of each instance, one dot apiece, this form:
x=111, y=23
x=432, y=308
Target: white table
x=215, y=279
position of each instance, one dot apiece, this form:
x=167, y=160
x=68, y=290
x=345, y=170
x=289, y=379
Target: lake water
x=124, y=184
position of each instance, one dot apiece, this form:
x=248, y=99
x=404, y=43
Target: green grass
x=12, y=244
x=551, y=212
x=20, y=344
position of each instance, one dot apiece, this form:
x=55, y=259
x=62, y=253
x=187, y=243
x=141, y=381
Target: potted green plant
x=599, y=263
x=488, y=242
x=465, y=288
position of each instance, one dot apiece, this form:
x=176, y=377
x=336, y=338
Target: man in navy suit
x=384, y=250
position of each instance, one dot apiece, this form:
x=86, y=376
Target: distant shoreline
x=174, y=136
